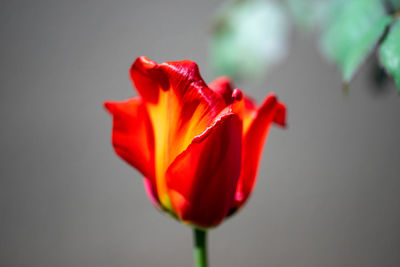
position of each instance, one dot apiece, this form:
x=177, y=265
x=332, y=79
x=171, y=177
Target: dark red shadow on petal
x=223, y=86
x=202, y=180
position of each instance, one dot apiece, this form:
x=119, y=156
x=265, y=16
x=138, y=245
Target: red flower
x=197, y=146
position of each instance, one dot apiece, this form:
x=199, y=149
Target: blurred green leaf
x=395, y=3
x=313, y=14
x=248, y=36
x=389, y=52
x=352, y=35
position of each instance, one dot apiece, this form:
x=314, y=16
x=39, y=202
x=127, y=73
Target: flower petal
x=256, y=124
x=202, y=180
x=180, y=106
x=223, y=86
x=148, y=78
x=132, y=135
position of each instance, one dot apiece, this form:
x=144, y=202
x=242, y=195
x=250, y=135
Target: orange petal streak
x=180, y=106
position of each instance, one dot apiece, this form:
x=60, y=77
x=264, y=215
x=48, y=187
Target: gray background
x=328, y=187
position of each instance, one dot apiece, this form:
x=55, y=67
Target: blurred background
x=328, y=186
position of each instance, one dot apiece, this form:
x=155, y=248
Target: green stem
x=200, y=247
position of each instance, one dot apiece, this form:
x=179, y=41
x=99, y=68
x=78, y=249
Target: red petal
x=132, y=135
x=202, y=180
x=280, y=116
x=148, y=79
x=254, y=137
x=151, y=191
x=180, y=106
x=223, y=86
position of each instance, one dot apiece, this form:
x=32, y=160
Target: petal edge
x=202, y=180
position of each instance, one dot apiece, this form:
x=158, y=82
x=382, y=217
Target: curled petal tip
x=280, y=116
x=280, y=109
x=223, y=86
x=147, y=78
x=108, y=106
x=144, y=63
x=237, y=95
x=272, y=96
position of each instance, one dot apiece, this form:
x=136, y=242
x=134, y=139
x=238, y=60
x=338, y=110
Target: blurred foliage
x=349, y=30
x=395, y=4
x=389, y=52
x=313, y=14
x=250, y=35
x=247, y=37
x=378, y=76
x=351, y=36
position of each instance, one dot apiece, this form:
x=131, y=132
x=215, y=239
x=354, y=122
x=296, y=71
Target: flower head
x=197, y=146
